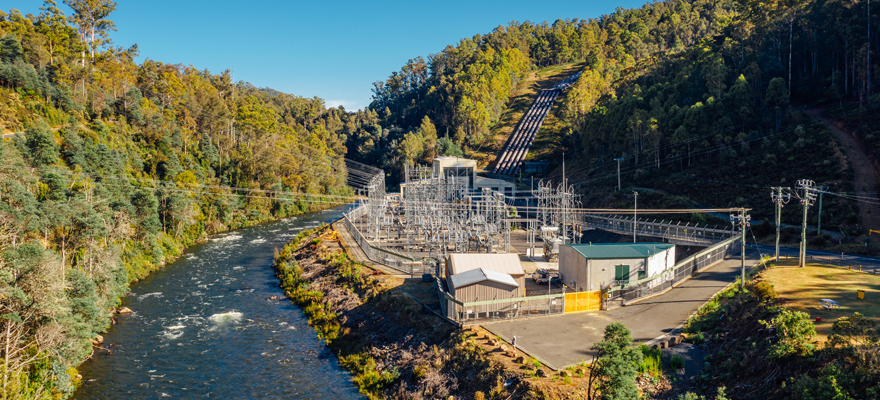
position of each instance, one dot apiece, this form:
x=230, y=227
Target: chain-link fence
x=400, y=262
x=677, y=231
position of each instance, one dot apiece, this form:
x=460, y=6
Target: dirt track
x=865, y=175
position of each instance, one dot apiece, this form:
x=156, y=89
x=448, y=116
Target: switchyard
x=442, y=211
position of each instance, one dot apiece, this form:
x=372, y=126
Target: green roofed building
x=595, y=266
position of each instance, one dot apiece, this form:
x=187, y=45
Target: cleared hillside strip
x=510, y=160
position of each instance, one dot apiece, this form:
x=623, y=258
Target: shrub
x=617, y=363
x=794, y=330
x=369, y=379
x=676, y=362
x=765, y=291
x=650, y=361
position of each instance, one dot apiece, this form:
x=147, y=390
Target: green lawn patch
x=800, y=289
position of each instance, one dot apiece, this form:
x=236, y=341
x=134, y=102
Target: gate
x=583, y=301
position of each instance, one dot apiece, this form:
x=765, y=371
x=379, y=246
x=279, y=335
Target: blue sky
x=331, y=49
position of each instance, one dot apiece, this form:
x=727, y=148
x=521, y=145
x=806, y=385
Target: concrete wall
x=572, y=268
x=602, y=271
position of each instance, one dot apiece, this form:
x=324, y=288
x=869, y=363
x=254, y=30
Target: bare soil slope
x=865, y=173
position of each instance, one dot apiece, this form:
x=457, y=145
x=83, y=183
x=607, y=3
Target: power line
x=711, y=149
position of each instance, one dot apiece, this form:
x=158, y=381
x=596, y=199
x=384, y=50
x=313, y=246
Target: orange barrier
x=583, y=301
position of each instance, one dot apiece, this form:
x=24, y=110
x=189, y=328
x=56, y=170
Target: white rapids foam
x=173, y=334
x=237, y=268
x=154, y=294
x=176, y=327
x=258, y=241
x=228, y=238
x=225, y=316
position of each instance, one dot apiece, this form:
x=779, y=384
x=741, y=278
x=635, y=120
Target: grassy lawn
x=801, y=289
x=518, y=105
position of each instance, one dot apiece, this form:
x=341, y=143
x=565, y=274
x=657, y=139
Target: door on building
x=621, y=272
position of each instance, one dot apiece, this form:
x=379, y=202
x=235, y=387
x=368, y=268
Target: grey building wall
x=587, y=275
x=573, y=268
x=602, y=270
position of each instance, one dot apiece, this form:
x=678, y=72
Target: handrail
x=668, y=230
x=680, y=264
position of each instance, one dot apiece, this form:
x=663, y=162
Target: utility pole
x=618, y=172
x=564, y=202
x=808, y=198
x=779, y=199
x=819, y=225
x=635, y=211
x=743, y=220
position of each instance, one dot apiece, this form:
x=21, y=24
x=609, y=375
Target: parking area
x=560, y=341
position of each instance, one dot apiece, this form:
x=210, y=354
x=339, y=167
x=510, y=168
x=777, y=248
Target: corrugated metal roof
x=505, y=263
x=481, y=181
x=479, y=275
x=620, y=250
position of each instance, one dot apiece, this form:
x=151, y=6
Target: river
x=204, y=327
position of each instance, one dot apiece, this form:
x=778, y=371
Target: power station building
x=590, y=267
x=464, y=170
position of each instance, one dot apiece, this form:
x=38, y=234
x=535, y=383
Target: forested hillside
x=700, y=99
x=117, y=166
x=463, y=90
x=721, y=121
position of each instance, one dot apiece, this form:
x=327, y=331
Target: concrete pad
x=564, y=340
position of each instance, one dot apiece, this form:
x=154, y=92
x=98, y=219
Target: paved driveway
x=560, y=341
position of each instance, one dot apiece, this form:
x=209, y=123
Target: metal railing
x=398, y=261
x=670, y=231
x=682, y=270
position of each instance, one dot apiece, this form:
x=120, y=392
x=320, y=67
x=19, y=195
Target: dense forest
x=723, y=120
x=114, y=167
x=699, y=98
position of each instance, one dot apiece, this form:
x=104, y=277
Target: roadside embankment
x=393, y=345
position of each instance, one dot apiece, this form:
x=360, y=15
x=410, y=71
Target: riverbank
x=215, y=313
x=394, y=346
x=139, y=266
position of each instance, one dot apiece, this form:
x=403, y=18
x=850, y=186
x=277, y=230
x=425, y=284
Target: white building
x=464, y=170
x=589, y=267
